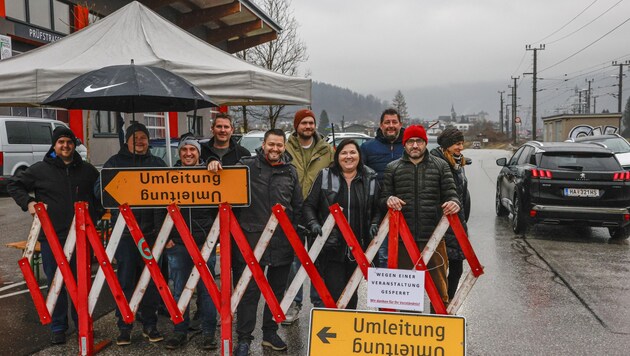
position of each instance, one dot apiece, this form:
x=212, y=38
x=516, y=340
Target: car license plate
x=581, y=192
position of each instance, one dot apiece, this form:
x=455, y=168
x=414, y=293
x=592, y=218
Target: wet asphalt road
x=554, y=291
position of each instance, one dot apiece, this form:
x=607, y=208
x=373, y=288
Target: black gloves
x=315, y=228
x=373, y=230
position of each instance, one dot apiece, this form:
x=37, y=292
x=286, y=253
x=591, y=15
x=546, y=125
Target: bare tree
x=282, y=55
x=400, y=104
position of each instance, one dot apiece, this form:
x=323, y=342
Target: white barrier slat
x=462, y=293
x=357, y=276
x=434, y=240
x=193, y=278
x=145, y=277
x=31, y=242
x=57, y=282
x=260, y=248
x=313, y=252
x=99, y=280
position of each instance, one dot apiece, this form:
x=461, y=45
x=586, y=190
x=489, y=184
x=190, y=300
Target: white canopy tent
x=136, y=32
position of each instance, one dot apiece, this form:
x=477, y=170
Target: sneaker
x=124, y=338
x=176, y=341
x=274, y=342
x=208, y=342
x=242, y=349
x=58, y=338
x=152, y=334
x=292, y=314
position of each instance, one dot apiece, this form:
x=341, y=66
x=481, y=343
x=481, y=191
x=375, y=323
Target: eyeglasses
x=413, y=141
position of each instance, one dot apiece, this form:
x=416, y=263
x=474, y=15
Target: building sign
x=35, y=34
x=395, y=289
x=5, y=47
x=159, y=187
x=351, y=332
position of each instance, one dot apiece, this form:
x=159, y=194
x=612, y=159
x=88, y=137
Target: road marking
x=12, y=285
x=20, y=292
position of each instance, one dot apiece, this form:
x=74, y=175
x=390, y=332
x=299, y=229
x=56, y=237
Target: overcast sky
x=375, y=46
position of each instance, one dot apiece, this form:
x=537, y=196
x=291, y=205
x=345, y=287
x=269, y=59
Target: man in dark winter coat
x=59, y=180
x=385, y=147
x=422, y=187
x=221, y=148
x=273, y=180
x=136, y=153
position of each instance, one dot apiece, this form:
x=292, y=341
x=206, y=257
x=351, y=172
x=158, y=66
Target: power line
x=567, y=24
x=587, y=46
x=590, y=22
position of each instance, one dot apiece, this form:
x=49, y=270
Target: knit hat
x=62, y=131
x=301, y=115
x=449, y=137
x=135, y=127
x=415, y=131
x=188, y=140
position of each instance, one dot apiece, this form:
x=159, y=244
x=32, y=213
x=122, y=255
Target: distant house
x=462, y=127
x=358, y=128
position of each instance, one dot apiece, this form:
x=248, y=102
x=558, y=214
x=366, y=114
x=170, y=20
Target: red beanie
x=301, y=115
x=415, y=131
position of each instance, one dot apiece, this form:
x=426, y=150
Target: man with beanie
x=310, y=153
x=59, y=180
x=135, y=153
x=451, y=142
x=422, y=187
x=377, y=153
x=180, y=264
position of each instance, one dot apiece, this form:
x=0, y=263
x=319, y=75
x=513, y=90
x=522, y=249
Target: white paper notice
x=395, y=289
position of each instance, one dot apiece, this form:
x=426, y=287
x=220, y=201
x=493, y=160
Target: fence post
x=86, y=333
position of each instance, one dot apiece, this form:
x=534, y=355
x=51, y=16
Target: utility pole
x=507, y=118
x=501, y=109
x=619, y=98
x=580, y=102
x=588, y=96
x=514, y=106
x=534, y=74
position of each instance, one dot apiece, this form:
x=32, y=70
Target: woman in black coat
x=354, y=187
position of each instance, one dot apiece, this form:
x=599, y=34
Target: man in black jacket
x=136, y=153
x=59, y=180
x=273, y=180
x=422, y=187
x=221, y=148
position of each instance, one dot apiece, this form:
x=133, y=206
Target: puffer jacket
x=270, y=185
x=379, y=152
x=307, y=171
x=453, y=249
x=58, y=186
x=149, y=220
x=231, y=157
x=423, y=187
x=360, y=205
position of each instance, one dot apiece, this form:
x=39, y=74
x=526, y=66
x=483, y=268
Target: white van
x=24, y=141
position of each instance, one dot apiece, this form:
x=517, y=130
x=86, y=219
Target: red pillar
x=75, y=121
x=172, y=124
x=3, y=12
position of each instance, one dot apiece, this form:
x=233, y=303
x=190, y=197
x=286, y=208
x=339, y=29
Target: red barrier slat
x=108, y=271
x=151, y=263
x=226, y=278
x=57, y=250
x=195, y=254
x=303, y=256
x=36, y=293
x=257, y=272
x=414, y=254
x=86, y=333
x=351, y=240
x=464, y=243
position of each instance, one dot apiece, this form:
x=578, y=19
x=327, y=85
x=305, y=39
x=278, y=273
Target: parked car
x=564, y=183
x=615, y=143
x=358, y=137
x=476, y=145
x=157, y=147
x=252, y=140
x=24, y=141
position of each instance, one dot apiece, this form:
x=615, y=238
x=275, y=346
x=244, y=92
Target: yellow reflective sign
x=157, y=187
x=352, y=332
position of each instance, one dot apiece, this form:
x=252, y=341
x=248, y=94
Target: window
x=525, y=157
x=514, y=158
x=61, y=13
x=17, y=132
x=53, y=15
x=16, y=9
x=155, y=124
x=34, y=112
x=579, y=161
x=39, y=13
x=40, y=133
x=194, y=125
x=105, y=123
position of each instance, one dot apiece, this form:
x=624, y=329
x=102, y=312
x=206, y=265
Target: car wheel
x=519, y=221
x=618, y=233
x=500, y=209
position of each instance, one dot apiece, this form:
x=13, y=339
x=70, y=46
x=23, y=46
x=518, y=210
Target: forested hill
x=339, y=101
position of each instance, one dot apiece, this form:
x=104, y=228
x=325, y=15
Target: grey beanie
x=189, y=141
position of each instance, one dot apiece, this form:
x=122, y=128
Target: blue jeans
x=180, y=265
x=60, y=314
x=382, y=255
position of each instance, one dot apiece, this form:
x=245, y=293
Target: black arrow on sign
x=323, y=335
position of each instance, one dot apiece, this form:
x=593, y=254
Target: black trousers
x=336, y=274
x=455, y=270
x=248, y=307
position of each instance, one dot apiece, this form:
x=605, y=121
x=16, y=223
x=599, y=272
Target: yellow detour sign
x=351, y=332
x=158, y=187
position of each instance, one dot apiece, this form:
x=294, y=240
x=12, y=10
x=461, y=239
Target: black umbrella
x=130, y=88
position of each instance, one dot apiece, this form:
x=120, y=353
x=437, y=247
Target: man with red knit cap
x=422, y=187
x=310, y=153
